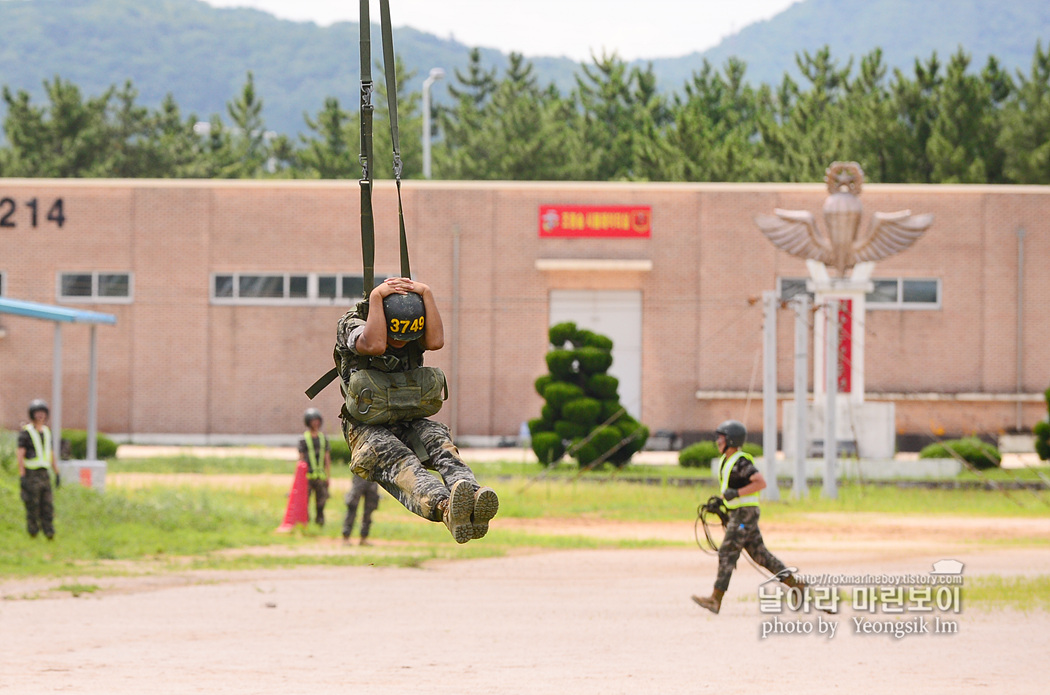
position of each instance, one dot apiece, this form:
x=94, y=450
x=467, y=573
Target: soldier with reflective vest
x=36, y=463
x=739, y=483
x=390, y=396
x=316, y=451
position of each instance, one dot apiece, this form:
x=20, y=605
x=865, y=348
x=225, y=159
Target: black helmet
x=734, y=432
x=312, y=414
x=405, y=316
x=38, y=404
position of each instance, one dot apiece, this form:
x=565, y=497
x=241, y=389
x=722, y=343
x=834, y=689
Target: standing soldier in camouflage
x=740, y=482
x=36, y=461
x=315, y=449
x=358, y=489
x=389, y=333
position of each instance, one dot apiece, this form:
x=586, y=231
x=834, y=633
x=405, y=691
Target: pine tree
x=1025, y=135
x=330, y=154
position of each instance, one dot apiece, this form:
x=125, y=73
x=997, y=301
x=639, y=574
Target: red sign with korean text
x=617, y=221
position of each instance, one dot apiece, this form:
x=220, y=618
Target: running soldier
x=315, y=449
x=382, y=341
x=740, y=482
x=36, y=461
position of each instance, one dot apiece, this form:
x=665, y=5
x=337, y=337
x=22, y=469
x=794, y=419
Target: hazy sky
x=573, y=28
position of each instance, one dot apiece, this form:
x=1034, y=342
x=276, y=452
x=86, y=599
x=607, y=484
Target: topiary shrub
x=571, y=430
x=1042, y=439
x=538, y=424
x=561, y=363
x=611, y=408
x=596, y=340
x=636, y=434
x=562, y=333
x=752, y=450
x=698, y=455
x=702, y=453
x=604, y=386
x=583, y=411
x=1042, y=432
x=580, y=396
x=548, y=447
x=340, y=451
x=593, y=360
x=602, y=441
x=558, y=393
x=105, y=448
x=979, y=454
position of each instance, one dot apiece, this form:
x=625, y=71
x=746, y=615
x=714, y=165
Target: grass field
x=156, y=527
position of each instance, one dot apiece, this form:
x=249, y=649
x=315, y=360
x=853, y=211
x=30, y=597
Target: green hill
x=904, y=29
x=201, y=54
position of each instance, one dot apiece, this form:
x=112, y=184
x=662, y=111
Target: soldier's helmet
x=734, y=432
x=405, y=316
x=37, y=405
x=310, y=415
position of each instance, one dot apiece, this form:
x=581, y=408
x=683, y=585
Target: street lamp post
x=435, y=75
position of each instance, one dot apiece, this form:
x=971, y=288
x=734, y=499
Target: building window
x=3, y=283
x=888, y=293
x=100, y=287
x=905, y=293
x=287, y=288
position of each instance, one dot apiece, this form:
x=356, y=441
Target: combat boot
x=458, y=508
x=793, y=583
x=486, y=504
x=712, y=603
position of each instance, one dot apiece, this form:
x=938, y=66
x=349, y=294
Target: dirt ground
x=581, y=622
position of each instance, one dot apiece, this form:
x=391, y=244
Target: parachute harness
x=368, y=245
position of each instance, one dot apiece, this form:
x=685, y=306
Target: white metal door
x=618, y=315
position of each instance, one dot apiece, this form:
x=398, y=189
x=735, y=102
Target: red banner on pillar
x=845, y=360
x=615, y=221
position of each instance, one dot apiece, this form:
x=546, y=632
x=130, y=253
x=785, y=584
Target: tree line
x=939, y=123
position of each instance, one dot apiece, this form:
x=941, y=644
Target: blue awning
x=50, y=312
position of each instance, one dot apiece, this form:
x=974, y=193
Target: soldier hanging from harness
x=388, y=393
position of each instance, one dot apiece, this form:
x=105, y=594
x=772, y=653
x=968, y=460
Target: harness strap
x=368, y=248
x=323, y=382
x=416, y=443
x=391, y=100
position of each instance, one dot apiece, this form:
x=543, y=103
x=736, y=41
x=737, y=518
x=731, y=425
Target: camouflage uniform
x=379, y=453
x=384, y=453
x=358, y=489
x=37, y=497
x=742, y=533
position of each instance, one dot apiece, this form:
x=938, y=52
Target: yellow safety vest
x=315, y=458
x=725, y=468
x=42, y=449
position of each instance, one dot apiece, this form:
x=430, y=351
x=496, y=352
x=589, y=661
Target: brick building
x=226, y=295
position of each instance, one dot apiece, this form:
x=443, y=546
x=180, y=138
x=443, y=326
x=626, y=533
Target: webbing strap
x=415, y=442
x=391, y=100
x=321, y=383
x=368, y=242
x=368, y=245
